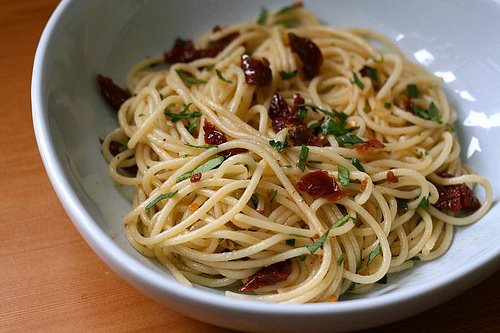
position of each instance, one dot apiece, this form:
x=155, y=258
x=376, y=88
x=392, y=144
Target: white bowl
x=84, y=38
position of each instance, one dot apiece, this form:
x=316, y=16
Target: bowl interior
x=109, y=37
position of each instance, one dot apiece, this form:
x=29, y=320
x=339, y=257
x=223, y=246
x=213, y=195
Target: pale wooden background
x=50, y=280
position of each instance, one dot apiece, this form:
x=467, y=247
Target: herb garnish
x=160, y=198
x=262, y=16
x=424, y=203
x=188, y=77
x=344, y=175
x=337, y=128
x=288, y=8
x=340, y=222
x=304, y=150
x=387, y=105
x=273, y=196
x=370, y=72
x=278, y=145
x=222, y=78
x=415, y=258
x=316, y=245
x=340, y=260
x=288, y=75
x=402, y=205
x=357, y=81
x=193, y=126
x=290, y=242
x=357, y=164
x=184, y=114
x=349, y=139
x=412, y=91
x=207, y=166
x=432, y=113
x=373, y=254
x=255, y=200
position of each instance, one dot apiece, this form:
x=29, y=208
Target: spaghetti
x=288, y=161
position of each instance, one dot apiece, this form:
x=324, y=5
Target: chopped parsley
x=290, y=242
x=288, y=75
x=357, y=81
x=199, y=146
x=357, y=164
x=304, y=150
x=255, y=200
x=278, y=145
x=347, y=140
x=337, y=128
x=340, y=222
x=207, y=166
x=336, y=115
x=387, y=105
x=344, y=175
x=160, y=198
x=373, y=254
x=263, y=16
x=222, y=78
x=432, y=113
x=415, y=258
x=290, y=23
x=273, y=196
x=188, y=77
x=184, y=114
x=412, y=91
x=340, y=260
x=316, y=245
x=424, y=203
x=370, y=72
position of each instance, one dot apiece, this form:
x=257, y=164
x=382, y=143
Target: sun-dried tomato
x=408, y=104
x=301, y=135
x=308, y=52
x=319, y=184
x=370, y=144
x=113, y=94
x=257, y=72
x=183, y=50
x=268, y=276
x=456, y=198
x=391, y=177
x=215, y=137
x=279, y=107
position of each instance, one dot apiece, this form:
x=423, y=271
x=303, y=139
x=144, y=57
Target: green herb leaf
x=314, y=162
x=371, y=72
x=301, y=113
x=209, y=67
x=316, y=245
x=428, y=114
x=302, y=257
x=193, y=126
x=336, y=115
x=402, y=205
x=288, y=75
x=278, y=145
x=340, y=222
x=304, y=151
x=222, y=78
x=290, y=23
x=262, y=16
x=184, y=114
x=357, y=164
x=255, y=200
x=357, y=81
x=412, y=91
x=188, y=77
x=273, y=196
x=290, y=242
x=387, y=105
x=332, y=127
x=160, y=198
x=351, y=287
x=383, y=280
x=207, y=166
x=349, y=139
x=360, y=263
x=415, y=258
x=200, y=146
x=373, y=254
x=424, y=203
x=340, y=260
x=344, y=175
x=288, y=8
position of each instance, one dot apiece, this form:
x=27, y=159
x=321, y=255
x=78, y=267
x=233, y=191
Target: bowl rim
x=136, y=273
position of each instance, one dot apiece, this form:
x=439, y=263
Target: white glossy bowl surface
x=456, y=40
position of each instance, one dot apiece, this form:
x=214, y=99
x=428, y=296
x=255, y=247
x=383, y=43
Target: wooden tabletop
x=50, y=280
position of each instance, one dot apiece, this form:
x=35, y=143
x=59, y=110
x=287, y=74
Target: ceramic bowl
x=84, y=38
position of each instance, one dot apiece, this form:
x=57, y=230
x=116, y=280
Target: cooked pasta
x=288, y=161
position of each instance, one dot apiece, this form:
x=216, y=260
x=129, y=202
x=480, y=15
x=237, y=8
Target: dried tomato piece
x=257, y=72
x=391, y=177
x=212, y=135
x=113, y=94
x=182, y=51
x=268, y=276
x=231, y=152
x=409, y=105
x=319, y=184
x=301, y=135
x=308, y=52
x=215, y=47
x=370, y=144
x=279, y=107
x=456, y=198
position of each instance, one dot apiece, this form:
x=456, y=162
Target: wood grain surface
x=51, y=281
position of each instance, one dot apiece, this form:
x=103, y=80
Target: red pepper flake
x=268, y=276
x=409, y=105
x=257, y=72
x=319, y=184
x=391, y=177
x=364, y=184
x=456, y=198
x=308, y=52
x=183, y=50
x=196, y=177
x=370, y=144
x=113, y=94
x=215, y=137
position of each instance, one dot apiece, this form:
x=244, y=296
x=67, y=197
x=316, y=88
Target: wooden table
x=50, y=280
